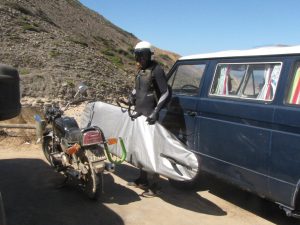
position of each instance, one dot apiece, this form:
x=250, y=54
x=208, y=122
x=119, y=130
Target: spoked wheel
x=48, y=149
x=92, y=182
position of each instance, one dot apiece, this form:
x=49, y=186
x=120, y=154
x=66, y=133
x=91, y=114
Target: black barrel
x=10, y=105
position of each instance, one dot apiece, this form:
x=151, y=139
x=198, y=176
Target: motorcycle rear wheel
x=92, y=182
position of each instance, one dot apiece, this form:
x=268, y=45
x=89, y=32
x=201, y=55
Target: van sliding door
x=235, y=121
x=285, y=149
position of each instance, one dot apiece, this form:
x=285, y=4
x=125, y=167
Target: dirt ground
x=31, y=196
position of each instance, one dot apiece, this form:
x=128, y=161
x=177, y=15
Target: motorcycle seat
x=73, y=135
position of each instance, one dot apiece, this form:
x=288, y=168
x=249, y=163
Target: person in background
x=149, y=96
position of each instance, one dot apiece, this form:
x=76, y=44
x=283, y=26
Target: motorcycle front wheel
x=48, y=148
x=92, y=182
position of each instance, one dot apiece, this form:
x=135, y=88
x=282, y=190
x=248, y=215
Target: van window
x=251, y=81
x=255, y=81
x=185, y=80
x=294, y=92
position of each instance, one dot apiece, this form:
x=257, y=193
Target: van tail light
x=91, y=138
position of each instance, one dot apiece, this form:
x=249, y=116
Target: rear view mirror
x=82, y=88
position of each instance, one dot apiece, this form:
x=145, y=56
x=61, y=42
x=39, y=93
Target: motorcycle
x=78, y=153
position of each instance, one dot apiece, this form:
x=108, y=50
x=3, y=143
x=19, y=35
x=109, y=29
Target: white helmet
x=144, y=45
x=144, y=48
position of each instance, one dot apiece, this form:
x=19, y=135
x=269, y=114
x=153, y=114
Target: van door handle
x=191, y=113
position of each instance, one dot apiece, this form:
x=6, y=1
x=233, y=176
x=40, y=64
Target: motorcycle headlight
x=91, y=138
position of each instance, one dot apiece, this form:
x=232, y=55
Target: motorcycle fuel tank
x=64, y=124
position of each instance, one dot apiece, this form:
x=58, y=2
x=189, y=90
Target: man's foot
x=149, y=193
x=138, y=183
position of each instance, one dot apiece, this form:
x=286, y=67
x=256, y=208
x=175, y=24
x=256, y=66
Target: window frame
x=243, y=84
x=174, y=70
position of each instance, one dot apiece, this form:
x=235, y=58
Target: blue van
x=240, y=112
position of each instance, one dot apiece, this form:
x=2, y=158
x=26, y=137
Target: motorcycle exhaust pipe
x=60, y=159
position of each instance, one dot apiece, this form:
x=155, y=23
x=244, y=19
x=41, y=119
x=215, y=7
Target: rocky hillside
x=57, y=44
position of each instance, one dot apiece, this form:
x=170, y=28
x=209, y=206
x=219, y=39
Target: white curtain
x=222, y=87
x=271, y=76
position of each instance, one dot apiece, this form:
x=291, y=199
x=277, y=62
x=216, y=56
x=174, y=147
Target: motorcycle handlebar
x=52, y=113
x=128, y=108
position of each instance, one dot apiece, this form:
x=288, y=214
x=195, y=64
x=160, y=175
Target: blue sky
x=202, y=26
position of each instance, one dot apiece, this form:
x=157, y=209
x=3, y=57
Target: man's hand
x=131, y=99
x=152, y=118
x=136, y=115
x=123, y=100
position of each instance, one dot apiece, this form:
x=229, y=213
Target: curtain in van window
x=222, y=88
x=266, y=88
x=274, y=79
x=294, y=96
x=271, y=76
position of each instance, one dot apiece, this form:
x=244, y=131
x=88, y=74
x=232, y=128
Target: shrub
x=27, y=26
x=108, y=52
x=122, y=52
x=24, y=71
x=77, y=41
x=70, y=83
x=130, y=49
x=117, y=61
x=164, y=56
x=103, y=41
x=30, y=28
x=54, y=53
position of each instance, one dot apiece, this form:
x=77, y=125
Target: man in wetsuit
x=149, y=96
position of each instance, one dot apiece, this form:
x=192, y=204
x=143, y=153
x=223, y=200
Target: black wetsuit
x=151, y=89
x=151, y=94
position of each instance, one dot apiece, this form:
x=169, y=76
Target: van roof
x=272, y=50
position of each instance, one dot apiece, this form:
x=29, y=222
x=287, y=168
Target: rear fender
x=96, y=157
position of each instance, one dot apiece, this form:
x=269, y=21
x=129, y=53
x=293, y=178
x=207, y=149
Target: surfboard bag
x=149, y=147
x=10, y=105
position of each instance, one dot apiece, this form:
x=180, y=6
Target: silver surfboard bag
x=149, y=147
